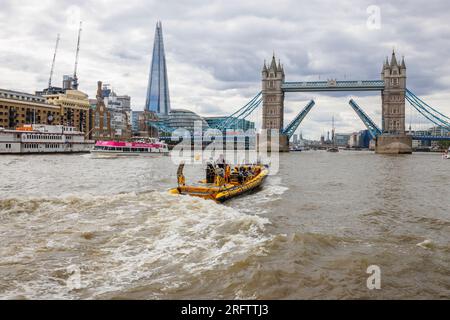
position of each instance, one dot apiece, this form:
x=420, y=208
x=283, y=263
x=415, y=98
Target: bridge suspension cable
x=409, y=92
x=434, y=116
x=240, y=114
x=250, y=110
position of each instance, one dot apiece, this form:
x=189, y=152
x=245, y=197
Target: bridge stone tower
x=393, y=139
x=273, y=100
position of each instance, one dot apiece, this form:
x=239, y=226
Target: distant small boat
x=333, y=149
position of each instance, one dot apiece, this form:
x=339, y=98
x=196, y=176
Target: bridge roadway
x=334, y=85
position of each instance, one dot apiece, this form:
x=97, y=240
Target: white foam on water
x=426, y=244
x=151, y=239
x=255, y=203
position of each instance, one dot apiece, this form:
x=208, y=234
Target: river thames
x=73, y=227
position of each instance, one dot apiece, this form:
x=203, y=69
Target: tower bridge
x=392, y=87
x=390, y=138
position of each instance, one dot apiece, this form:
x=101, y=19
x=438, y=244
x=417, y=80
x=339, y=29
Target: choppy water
x=72, y=227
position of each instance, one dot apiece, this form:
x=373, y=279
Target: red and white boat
x=137, y=147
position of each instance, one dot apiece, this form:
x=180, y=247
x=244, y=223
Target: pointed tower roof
x=393, y=59
x=264, y=67
x=403, y=63
x=273, y=64
x=385, y=65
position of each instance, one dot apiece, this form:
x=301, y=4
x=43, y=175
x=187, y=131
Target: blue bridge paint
x=333, y=85
x=370, y=125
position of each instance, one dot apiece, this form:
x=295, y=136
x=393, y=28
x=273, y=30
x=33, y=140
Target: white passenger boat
x=38, y=138
x=136, y=147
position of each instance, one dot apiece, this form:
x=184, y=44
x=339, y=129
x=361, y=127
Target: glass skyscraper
x=158, y=99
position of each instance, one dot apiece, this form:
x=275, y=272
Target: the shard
x=158, y=99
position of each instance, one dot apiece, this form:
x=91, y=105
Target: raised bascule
x=392, y=138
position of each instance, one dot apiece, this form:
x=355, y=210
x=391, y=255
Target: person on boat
x=227, y=173
x=242, y=175
x=220, y=172
x=248, y=173
x=210, y=172
x=220, y=177
x=180, y=176
x=221, y=162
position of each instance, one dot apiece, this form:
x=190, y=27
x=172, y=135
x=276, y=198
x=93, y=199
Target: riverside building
x=19, y=108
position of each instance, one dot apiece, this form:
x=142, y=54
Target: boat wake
x=99, y=247
x=256, y=202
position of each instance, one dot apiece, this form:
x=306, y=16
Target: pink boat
x=137, y=147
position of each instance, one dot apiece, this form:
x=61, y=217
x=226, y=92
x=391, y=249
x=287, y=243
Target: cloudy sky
x=215, y=50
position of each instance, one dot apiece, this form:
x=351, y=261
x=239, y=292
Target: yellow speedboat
x=223, y=183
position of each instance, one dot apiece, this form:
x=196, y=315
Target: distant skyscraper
x=158, y=99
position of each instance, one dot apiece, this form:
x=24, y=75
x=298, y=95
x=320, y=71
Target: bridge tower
x=393, y=139
x=273, y=100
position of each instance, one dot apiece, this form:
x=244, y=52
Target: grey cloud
x=212, y=110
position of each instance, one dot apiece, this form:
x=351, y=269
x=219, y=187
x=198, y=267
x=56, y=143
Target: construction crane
x=75, y=77
x=53, y=63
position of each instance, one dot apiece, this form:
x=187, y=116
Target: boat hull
x=223, y=193
x=114, y=154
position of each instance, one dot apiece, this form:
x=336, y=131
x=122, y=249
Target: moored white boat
x=137, y=147
x=38, y=138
